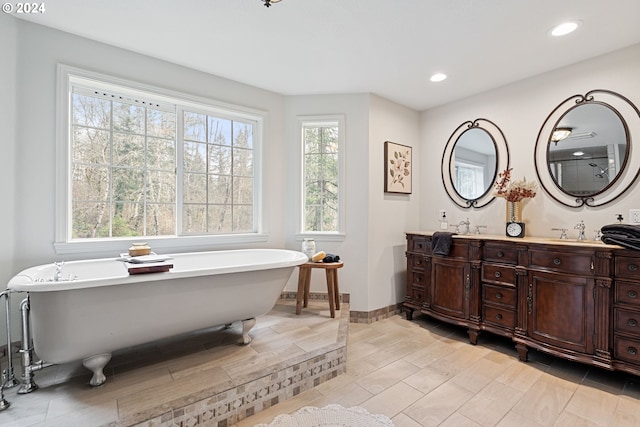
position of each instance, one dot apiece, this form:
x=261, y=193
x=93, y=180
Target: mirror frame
x=448, y=159
x=628, y=114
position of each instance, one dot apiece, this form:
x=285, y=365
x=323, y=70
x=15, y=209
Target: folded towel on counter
x=441, y=242
x=625, y=235
x=626, y=230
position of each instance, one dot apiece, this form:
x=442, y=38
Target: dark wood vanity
x=575, y=300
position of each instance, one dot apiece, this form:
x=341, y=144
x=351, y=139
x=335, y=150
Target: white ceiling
x=385, y=47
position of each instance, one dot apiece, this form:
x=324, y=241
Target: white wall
x=519, y=110
x=353, y=277
x=8, y=35
x=390, y=215
x=40, y=49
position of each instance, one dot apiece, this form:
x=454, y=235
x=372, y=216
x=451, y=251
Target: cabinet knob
x=632, y=294
x=498, y=274
x=499, y=295
x=500, y=254
x=633, y=267
x=632, y=351
x=499, y=316
x=632, y=322
x=419, y=245
x=557, y=261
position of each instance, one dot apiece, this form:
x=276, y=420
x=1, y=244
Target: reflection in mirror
x=583, y=151
x=474, y=163
x=474, y=153
x=593, y=151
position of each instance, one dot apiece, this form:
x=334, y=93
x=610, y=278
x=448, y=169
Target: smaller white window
x=322, y=177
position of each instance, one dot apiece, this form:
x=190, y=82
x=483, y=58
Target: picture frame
x=398, y=165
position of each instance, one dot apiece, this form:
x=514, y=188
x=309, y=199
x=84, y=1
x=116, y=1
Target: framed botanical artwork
x=397, y=168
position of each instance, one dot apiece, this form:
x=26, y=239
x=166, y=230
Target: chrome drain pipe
x=28, y=368
x=4, y=404
x=8, y=377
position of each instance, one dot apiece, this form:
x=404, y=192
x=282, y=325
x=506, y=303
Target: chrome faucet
x=581, y=227
x=57, y=276
x=467, y=224
x=563, y=236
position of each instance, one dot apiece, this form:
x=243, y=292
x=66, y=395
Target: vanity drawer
x=565, y=262
x=628, y=267
x=418, y=244
x=500, y=253
x=626, y=349
x=417, y=262
x=417, y=294
x=499, y=316
x=417, y=278
x=627, y=321
x=496, y=273
x=499, y=295
x=627, y=293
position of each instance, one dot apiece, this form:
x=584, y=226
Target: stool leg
x=336, y=290
x=331, y=291
x=307, y=286
x=300, y=295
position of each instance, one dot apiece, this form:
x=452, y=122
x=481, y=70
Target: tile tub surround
x=201, y=378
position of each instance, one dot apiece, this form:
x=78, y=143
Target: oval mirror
x=587, y=149
x=583, y=151
x=470, y=162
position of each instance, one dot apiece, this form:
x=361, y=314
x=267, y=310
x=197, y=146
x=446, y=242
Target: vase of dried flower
x=514, y=211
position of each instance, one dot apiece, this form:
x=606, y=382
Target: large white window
x=322, y=142
x=137, y=162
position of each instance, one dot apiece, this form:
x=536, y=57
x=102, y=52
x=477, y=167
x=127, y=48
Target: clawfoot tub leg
x=246, y=327
x=96, y=364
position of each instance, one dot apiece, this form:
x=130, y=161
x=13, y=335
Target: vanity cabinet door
x=450, y=287
x=560, y=311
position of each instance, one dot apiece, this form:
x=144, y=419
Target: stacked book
x=151, y=263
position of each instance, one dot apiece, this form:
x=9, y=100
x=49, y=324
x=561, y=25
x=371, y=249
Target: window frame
x=64, y=244
x=302, y=122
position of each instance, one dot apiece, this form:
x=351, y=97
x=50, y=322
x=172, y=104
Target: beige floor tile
x=567, y=419
x=393, y=400
x=520, y=376
x=427, y=379
x=402, y=420
x=437, y=406
x=387, y=376
x=459, y=420
x=491, y=404
x=545, y=400
x=592, y=404
x=513, y=419
x=478, y=374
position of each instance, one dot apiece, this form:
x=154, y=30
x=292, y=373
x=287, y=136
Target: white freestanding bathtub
x=96, y=307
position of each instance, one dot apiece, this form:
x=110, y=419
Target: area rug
x=330, y=416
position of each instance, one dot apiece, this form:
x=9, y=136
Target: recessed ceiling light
x=578, y=153
x=565, y=28
x=438, y=77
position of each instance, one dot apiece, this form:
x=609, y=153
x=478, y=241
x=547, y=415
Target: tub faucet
x=581, y=227
x=57, y=276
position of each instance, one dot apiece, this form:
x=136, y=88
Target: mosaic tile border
x=354, y=316
x=375, y=315
x=251, y=394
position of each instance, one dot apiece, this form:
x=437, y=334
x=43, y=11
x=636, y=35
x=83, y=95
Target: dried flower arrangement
x=514, y=191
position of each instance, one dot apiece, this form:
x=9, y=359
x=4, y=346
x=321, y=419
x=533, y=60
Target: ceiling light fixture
x=560, y=133
x=438, y=77
x=268, y=3
x=565, y=28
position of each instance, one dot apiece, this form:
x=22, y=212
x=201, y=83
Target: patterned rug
x=330, y=416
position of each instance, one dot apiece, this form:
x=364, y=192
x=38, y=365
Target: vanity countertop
x=539, y=240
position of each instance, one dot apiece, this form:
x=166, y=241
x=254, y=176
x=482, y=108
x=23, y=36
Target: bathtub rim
x=23, y=282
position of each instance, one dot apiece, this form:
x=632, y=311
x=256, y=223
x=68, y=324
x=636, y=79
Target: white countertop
x=526, y=239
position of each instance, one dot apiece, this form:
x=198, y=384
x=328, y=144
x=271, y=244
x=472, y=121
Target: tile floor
x=419, y=373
